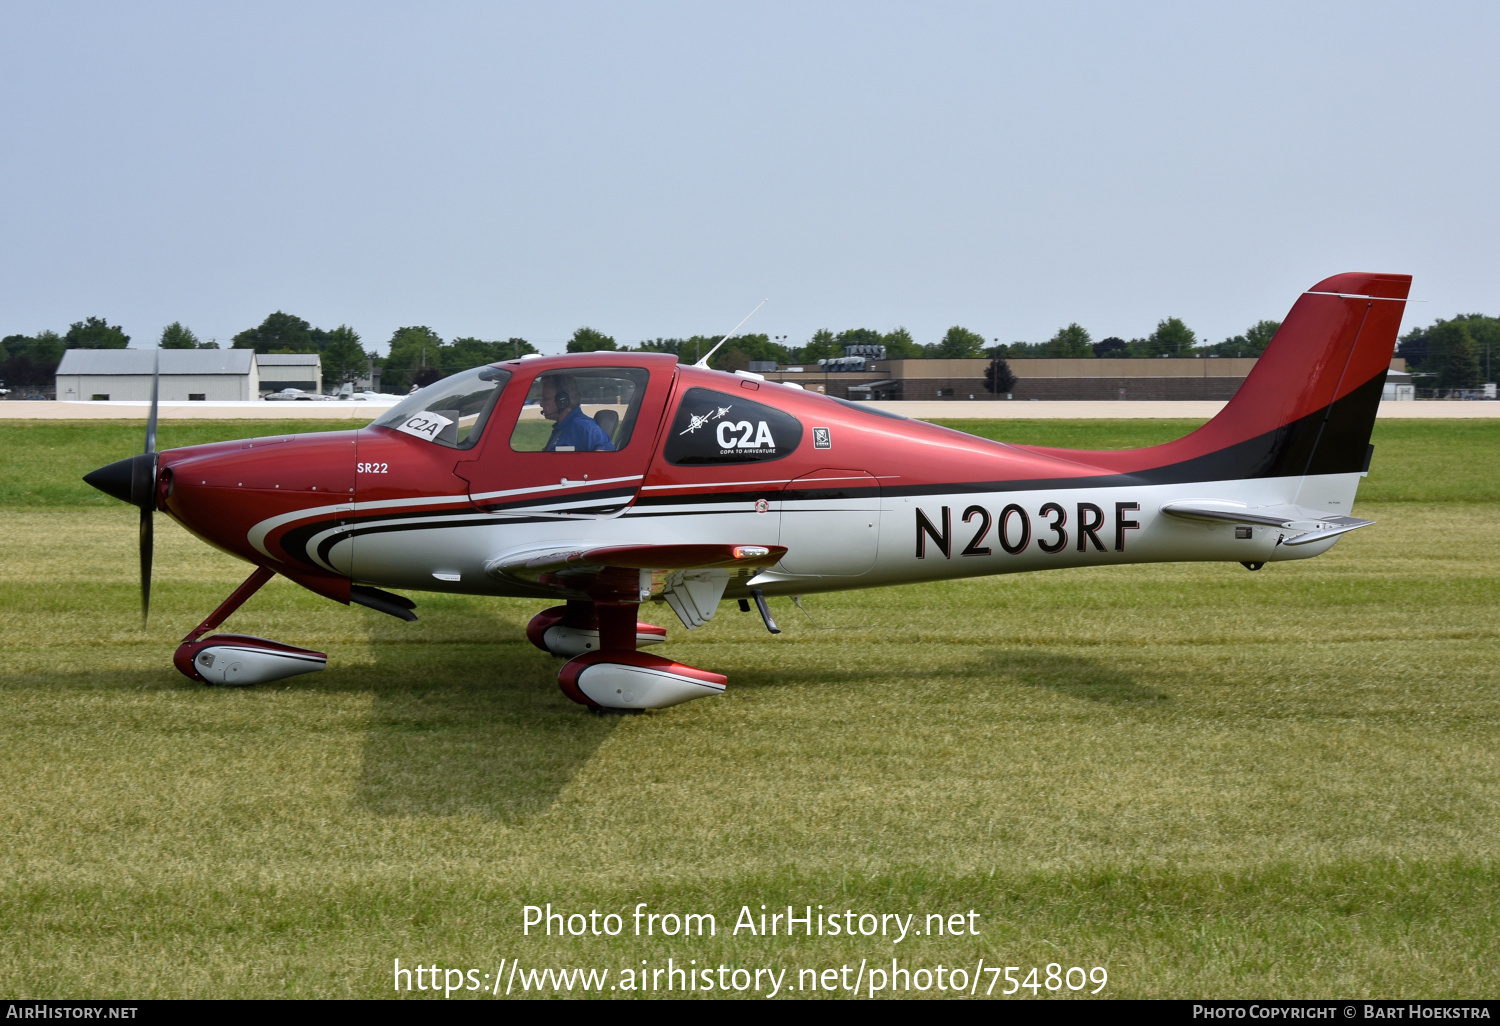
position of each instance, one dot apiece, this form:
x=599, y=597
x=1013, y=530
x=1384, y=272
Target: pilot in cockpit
x=573, y=430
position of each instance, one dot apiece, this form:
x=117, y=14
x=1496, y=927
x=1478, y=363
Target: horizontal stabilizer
x=1298, y=524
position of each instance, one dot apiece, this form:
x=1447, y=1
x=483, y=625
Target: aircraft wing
x=1300, y=525
x=691, y=578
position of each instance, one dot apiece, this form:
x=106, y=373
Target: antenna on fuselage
x=704, y=362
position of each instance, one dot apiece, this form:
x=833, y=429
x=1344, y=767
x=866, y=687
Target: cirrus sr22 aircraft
x=598, y=482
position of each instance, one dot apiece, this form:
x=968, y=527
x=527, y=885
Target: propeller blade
x=133, y=480
x=155, y=391
x=148, y=506
x=147, y=547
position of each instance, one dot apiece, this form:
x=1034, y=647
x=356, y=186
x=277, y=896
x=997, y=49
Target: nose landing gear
x=239, y=659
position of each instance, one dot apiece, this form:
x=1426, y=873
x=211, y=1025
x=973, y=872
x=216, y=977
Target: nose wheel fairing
x=241, y=659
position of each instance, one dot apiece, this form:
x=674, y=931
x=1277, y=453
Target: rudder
x=1314, y=392
x=1307, y=408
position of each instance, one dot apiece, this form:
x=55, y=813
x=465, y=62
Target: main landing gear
x=607, y=671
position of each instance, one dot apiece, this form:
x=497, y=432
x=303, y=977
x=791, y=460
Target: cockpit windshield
x=452, y=411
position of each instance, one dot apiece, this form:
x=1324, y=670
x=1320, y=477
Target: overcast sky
x=658, y=169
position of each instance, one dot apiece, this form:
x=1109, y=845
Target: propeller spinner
x=133, y=480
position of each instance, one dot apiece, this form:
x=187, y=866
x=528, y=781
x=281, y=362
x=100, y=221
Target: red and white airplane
x=603, y=481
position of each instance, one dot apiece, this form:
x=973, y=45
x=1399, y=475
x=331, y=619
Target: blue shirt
x=579, y=432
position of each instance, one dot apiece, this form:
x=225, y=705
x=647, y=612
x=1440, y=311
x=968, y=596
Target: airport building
x=207, y=375
x=1092, y=379
x=290, y=370
x=211, y=375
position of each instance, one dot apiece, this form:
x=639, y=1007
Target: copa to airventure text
x=794, y=922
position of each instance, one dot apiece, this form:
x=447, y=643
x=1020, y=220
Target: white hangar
x=290, y=370
x=125, y=374
x=208, y=375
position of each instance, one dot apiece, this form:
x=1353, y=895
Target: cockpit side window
x=451, y=412
x=587, y=409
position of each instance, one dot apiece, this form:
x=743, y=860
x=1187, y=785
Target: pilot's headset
x=560, y=395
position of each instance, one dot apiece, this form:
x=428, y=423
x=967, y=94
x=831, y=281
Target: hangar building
x=1036, y=378
x=186, y=374
x=290, y=370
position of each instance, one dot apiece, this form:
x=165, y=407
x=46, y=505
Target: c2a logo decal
x=750, y=436
x=715, y=427
x=1014, y=529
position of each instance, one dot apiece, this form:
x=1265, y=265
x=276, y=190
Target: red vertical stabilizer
x=1309, y=405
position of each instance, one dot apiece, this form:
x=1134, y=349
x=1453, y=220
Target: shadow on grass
x=466, y=717
x=1084, y=679
x=474, y=725
x=1087, y=680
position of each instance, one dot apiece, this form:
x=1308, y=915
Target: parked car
x=295, y=395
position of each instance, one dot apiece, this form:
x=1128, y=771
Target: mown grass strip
x=1213, y=782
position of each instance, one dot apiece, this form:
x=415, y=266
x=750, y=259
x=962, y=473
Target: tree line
x=1452, y=353
x=32, y=359
x=1171, y=338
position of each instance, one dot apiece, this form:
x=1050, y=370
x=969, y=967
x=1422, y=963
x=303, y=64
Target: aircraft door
x=570, y=441
x=830, y=523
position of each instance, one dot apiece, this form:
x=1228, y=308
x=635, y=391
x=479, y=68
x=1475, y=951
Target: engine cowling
x=635, y=680
x=241, y=659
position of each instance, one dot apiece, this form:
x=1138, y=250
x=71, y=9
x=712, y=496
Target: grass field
x=1213, y=783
